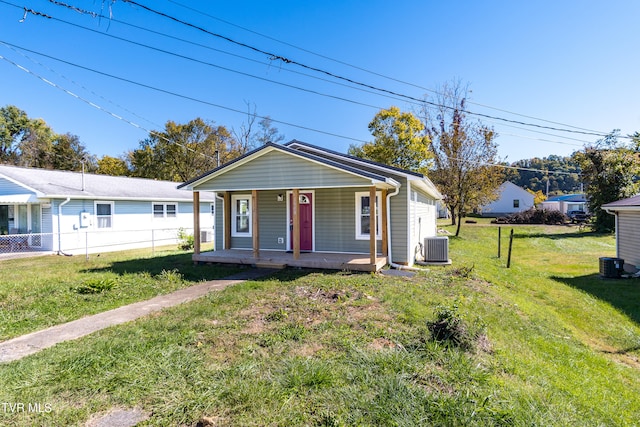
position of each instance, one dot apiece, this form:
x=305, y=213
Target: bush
x=535, y=216
x=449, y=327
x=95, y=286
x=186, y=240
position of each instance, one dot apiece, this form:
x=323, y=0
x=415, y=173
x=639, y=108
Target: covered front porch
x=282, y=259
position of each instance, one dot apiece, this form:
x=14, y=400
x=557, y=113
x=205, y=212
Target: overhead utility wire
x=420, y=102
x=364, y=69
x=286, y=60
x=263, y=63
x=100, y=108
x=168, y=93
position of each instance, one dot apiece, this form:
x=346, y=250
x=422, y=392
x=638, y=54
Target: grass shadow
x=191, y=271
x=558, y=236
x=624, y=294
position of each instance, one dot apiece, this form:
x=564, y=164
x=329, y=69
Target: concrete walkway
x=19, y=347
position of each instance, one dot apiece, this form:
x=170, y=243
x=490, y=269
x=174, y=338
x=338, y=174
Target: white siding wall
x=505, y=203
x=628, y=237
x=133, y=225
x=423, y=215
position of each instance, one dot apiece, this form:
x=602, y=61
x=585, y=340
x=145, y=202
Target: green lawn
x=39, y=292
x=556, y=344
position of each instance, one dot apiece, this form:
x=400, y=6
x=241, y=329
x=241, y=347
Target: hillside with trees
x=561, y=174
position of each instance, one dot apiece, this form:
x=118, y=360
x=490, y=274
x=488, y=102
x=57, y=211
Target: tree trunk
x=459, y=223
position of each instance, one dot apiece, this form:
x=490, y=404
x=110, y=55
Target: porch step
x=270, y=264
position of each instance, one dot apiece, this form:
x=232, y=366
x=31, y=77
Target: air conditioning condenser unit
x=436, y=249
x=206, y=236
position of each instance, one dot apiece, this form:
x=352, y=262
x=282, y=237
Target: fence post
x=510, y=245
x=499, y=239
x=86, y=245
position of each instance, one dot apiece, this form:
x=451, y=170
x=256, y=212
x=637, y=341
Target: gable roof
x=44, y=183
x=269, y=147
x=417, y=178
x=329, y=158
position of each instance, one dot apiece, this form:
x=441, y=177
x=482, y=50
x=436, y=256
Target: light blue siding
x=9, y=188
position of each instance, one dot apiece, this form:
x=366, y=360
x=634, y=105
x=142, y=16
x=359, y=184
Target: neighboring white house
x=566, y=203
x=72, y=212
x=627, y=212
x=512, y=199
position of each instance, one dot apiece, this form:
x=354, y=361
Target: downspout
x=60, y=252
x=389, y=256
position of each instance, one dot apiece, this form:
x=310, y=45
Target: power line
x=165, y=92
x=364, y=69
x=12, y=46
x=100, y=108
x=285, y=60
x=415, y=100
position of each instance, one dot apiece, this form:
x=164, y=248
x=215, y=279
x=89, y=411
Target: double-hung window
x=241, y=215
x=104, y=214
x=363, y=216
x=165, y=210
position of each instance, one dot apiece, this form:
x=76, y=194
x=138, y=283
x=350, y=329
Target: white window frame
x=165, y=211
x=359, y=234
x=234, y=215
x=98, y=217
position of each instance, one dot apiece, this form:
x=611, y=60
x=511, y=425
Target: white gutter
x=59, y=230
x=389, y=256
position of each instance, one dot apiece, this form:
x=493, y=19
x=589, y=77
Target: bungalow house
x=511, y=199
x=301, y=205
x=72, y=212
x=566, y=203
x=627, y=212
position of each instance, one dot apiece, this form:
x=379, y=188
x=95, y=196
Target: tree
x=247, y=137
x=183, y=151
x=35, y=148
x=610, y=171
x=13, y=125
x=68, y=153
x=113, y=166
x=538, y=196
x=463, y=154
x=399, y=141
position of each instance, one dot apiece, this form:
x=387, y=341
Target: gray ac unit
x=436, y=249
x=206, y=236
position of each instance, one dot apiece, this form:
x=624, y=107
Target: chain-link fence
x=94, y=241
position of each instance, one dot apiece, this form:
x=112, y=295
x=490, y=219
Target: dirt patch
x=118, y=417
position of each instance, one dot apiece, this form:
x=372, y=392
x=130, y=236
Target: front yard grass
x=39, y=292
x=554, y=344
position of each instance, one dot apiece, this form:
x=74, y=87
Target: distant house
x=566, y=203
x=302, y=205
x=71, y=212
x=627, y=212
x=512, y=199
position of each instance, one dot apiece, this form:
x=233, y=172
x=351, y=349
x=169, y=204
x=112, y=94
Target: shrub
x=535, y=216
x=450, y=328
x=95, y=286
x=186, y=240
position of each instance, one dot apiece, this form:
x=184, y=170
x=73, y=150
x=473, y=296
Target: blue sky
x=571, y=62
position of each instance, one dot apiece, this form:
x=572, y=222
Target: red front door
x=306, y=221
